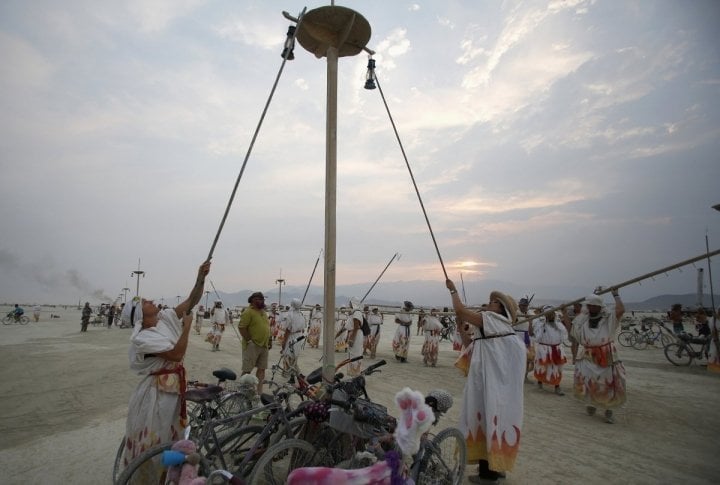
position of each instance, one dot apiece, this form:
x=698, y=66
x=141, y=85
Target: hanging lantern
x=370, y=75
x=289, y=46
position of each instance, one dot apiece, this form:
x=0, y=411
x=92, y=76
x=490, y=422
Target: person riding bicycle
x=676, y=317
x=18, y=312
x=701, y=324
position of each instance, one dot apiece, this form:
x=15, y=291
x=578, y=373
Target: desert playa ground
x=64, y=403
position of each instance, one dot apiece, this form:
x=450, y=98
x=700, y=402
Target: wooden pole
x=330, y=216
x=603, y=290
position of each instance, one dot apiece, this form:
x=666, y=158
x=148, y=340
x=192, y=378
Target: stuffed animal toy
x=185, y=473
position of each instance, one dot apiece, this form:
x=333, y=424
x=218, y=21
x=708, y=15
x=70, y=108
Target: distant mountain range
x=434, y=294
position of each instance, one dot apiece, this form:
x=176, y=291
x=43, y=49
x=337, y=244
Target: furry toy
x=186, y=472
x=416, y=417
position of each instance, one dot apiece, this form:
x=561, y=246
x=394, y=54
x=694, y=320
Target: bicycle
x=448, y=330
x=683, y=351
x=238, y=450
x=11, y=318
x=207, y=402
x=357, y=430
x=653, y=332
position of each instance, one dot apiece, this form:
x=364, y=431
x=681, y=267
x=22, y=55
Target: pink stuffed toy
x=185, y=473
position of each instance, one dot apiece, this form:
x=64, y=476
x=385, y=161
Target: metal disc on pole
x=334, y=26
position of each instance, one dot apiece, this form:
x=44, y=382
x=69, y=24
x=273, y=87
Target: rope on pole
x=412, y=177
x=252, y=144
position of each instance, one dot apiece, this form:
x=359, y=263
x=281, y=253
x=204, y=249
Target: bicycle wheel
x=234, y=403
x=444, y=459
x=7, y=320
x=235, y=446
x=24, y=320
x=147, y=469
x=117, y=466
x=664, y=340
x=640, y=342
x=678, y=354
x=626, y=338
x=279, y=460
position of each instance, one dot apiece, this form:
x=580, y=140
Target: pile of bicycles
x=304, y=423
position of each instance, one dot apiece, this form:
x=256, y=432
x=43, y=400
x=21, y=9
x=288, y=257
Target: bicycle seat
x=225, y=374
x=203, y=394
x=266, y=398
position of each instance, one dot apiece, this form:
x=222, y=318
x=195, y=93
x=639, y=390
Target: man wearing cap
x=599, y=374
x=254, y=328
x=375, y=321
x=401, y=341
x=493, y=359
x=549, y=354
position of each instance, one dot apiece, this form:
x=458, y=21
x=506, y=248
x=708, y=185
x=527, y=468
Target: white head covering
x=355, y=303
x=594, y=300
x=295, y=303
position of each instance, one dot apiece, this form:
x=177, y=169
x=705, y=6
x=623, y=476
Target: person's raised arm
x=177, y=353
x=463, y=314
x=196, y=292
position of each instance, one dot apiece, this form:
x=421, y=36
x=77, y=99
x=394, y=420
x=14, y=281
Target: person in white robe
x=294, y=329
x=494, y=360
x=401, y=340
x=375, y=320
x=431, y=330
x=355, y=337
x=315, y=330
x=156, y=411
x=599, y=379
x=549, y=334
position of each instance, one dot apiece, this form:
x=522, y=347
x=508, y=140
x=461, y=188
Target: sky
x=552, y=143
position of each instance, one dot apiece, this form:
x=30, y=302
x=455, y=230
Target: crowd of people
x=501, y=344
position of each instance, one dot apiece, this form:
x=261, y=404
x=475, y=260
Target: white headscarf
x=296, y=303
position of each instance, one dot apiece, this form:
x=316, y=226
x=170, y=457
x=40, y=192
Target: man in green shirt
x=254, y=327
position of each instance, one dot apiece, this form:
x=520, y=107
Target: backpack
x=365, y=327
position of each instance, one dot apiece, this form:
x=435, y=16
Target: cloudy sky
x=571, y=143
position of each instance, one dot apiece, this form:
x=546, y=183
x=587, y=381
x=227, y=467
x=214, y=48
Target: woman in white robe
x=492, y=406
x=156, y=411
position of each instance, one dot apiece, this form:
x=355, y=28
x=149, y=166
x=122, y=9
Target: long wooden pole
x=330, y=216
x=603, y=290
x=378, y=278
x=311, y=278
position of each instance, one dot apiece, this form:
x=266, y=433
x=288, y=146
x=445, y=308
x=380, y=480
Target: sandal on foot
x=590, y=410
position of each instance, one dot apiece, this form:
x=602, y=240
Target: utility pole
x=280, y=282
x=137, y=273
